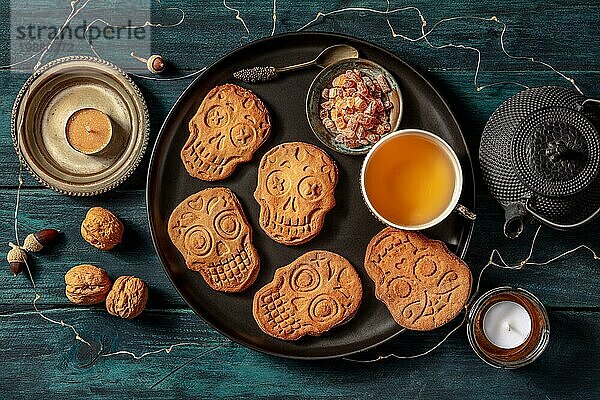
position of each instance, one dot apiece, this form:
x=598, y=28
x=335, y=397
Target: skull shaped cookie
x=316, y=292
x=296, y=184
x=420, y=281
x=210, y=230
x=230, y=125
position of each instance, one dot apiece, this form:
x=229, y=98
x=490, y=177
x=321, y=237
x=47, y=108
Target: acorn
x=17, y=258
x=36, y=242
x=155, y=63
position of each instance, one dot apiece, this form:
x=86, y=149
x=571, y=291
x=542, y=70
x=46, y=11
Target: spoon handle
x=264, y=74
x=297, y=66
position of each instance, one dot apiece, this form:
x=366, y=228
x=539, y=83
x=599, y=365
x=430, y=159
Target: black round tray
x=348, y=227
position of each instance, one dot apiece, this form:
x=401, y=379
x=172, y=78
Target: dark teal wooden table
x=39, y=359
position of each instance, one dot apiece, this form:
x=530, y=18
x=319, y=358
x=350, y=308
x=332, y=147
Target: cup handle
x=465, y=212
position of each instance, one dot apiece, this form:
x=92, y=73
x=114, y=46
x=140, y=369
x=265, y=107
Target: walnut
x=87, y=284
x=101, y=228
x=128, y=297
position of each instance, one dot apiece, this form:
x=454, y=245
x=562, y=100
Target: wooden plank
x=52, y=364
x=571, y=282
x=159, y=101
x=44, y=208
x=535, y=30
x=472, y=108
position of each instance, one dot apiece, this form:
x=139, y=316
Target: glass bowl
x=324, y=80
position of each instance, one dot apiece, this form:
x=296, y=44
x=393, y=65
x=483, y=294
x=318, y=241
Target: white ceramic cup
x=458, y=181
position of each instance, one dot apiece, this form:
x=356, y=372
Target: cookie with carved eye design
x=229, y=126
x=420, y=281
x=296, y=185
x=317, y=291
x=210, y=230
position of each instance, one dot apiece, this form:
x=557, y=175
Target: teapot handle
x=556, y=225
x=589, y=101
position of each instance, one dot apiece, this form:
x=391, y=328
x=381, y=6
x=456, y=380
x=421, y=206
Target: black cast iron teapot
x=540, y=157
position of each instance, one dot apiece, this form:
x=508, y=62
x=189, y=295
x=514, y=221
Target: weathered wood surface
x=40, y=359
x=43, y=208
x=50, y=365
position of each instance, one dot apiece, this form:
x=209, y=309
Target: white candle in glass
x=507, y=324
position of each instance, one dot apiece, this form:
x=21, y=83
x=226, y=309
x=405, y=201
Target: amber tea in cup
x=411, y=179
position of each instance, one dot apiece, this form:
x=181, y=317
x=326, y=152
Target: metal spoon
x=328, y=56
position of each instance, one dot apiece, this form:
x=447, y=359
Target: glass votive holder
x=508, y=327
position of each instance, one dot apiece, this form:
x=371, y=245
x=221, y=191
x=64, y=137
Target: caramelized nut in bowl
x=351, y=104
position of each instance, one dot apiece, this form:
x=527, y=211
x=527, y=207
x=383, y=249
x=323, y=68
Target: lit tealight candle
x=507, y=324
x=88, y=130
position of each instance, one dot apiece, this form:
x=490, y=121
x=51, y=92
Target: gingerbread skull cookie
x=230, y=125
x=296, y=185
x=420, y=281
x=210, y=230
x=316, y=292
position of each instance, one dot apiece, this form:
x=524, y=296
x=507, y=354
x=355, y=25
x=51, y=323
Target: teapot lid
x=556, y=151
